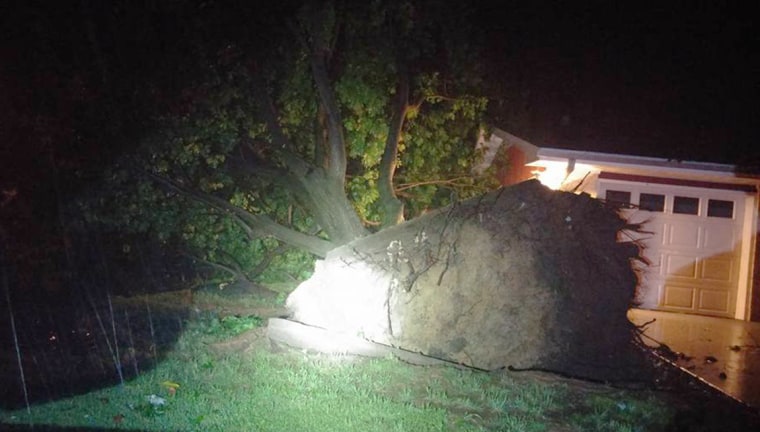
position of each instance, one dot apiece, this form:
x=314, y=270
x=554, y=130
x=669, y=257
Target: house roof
x=744, y=154
x=635, y=164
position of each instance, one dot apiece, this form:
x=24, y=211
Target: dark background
x=672, y=79
x=80, y=81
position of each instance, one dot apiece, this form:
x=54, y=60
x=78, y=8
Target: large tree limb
x=453, y=182
x=256, y=223
x=324, y=197
x=319, y=23
x=235, y=271
x=392, y=207
x=321, y=138
x=336, y=154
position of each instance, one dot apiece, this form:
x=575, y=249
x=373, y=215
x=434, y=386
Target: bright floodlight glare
x=352, y=300
x=557, y=174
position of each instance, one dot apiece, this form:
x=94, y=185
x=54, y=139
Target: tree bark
x=320, y=189
x=391, y=207
x=336, y=155
x=326, y=199
x=320, y=26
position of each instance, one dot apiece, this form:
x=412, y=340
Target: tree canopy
x=334, y=121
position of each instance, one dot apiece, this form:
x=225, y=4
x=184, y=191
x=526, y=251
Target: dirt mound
x=522, y=277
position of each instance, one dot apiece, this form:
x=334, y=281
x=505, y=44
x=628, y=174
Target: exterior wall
x=516, y=171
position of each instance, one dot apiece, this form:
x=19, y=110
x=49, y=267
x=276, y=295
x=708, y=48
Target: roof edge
x=622, y=159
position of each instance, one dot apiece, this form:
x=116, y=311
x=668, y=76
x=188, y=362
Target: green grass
x=228, y=326
x=261, y=390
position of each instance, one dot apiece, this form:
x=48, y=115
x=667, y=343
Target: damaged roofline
x=536, y=156
x=536, y=153
x=555, y=154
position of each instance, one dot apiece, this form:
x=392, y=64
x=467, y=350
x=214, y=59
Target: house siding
x=516, y=171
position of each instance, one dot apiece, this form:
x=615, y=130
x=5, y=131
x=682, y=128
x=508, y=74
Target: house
x=701, y=221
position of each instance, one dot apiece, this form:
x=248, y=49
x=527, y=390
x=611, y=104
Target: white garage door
x=694, y=244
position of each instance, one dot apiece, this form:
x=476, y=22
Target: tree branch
x=336, y=156
x=392, y=208
x=321, y=146
x=269, y=113
x=256, y=223
x=451, y=182
x=317, y=21
x=237, y=273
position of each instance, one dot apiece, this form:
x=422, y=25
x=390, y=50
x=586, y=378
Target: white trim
x=642, y=161
x=655, y=167
x=744, y=292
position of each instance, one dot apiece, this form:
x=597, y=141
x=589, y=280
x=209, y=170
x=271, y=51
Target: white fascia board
x=530, y=150
x=660, y=166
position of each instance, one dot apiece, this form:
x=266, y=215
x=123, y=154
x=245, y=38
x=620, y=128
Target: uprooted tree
x=522, y=277
x=351, y=119
x=346, y=120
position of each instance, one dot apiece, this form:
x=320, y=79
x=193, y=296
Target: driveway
x=723, y=352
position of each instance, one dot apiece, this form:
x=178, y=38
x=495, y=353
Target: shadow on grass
x=67, y=351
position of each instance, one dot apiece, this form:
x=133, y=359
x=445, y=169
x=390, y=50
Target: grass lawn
x=224, y=375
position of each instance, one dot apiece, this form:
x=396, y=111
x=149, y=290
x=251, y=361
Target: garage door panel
x=720, y=237
x=694, y=298
x=685, y=234
x=681, y=266
x=714, y=301
x=718, y=269
x=653, y=235
x=638, y=217
x=652, y=228
x=656, y=265
x=681, y=297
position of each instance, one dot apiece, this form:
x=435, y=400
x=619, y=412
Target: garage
x=700, y=221
x=692, y=240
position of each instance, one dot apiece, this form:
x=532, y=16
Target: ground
x=521, y=267
x=216, y=360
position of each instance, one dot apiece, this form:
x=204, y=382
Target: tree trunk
x=326, y=199
x=392, y=208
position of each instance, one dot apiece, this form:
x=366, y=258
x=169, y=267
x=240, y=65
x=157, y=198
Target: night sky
x=672, y=79
x=677, y=78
